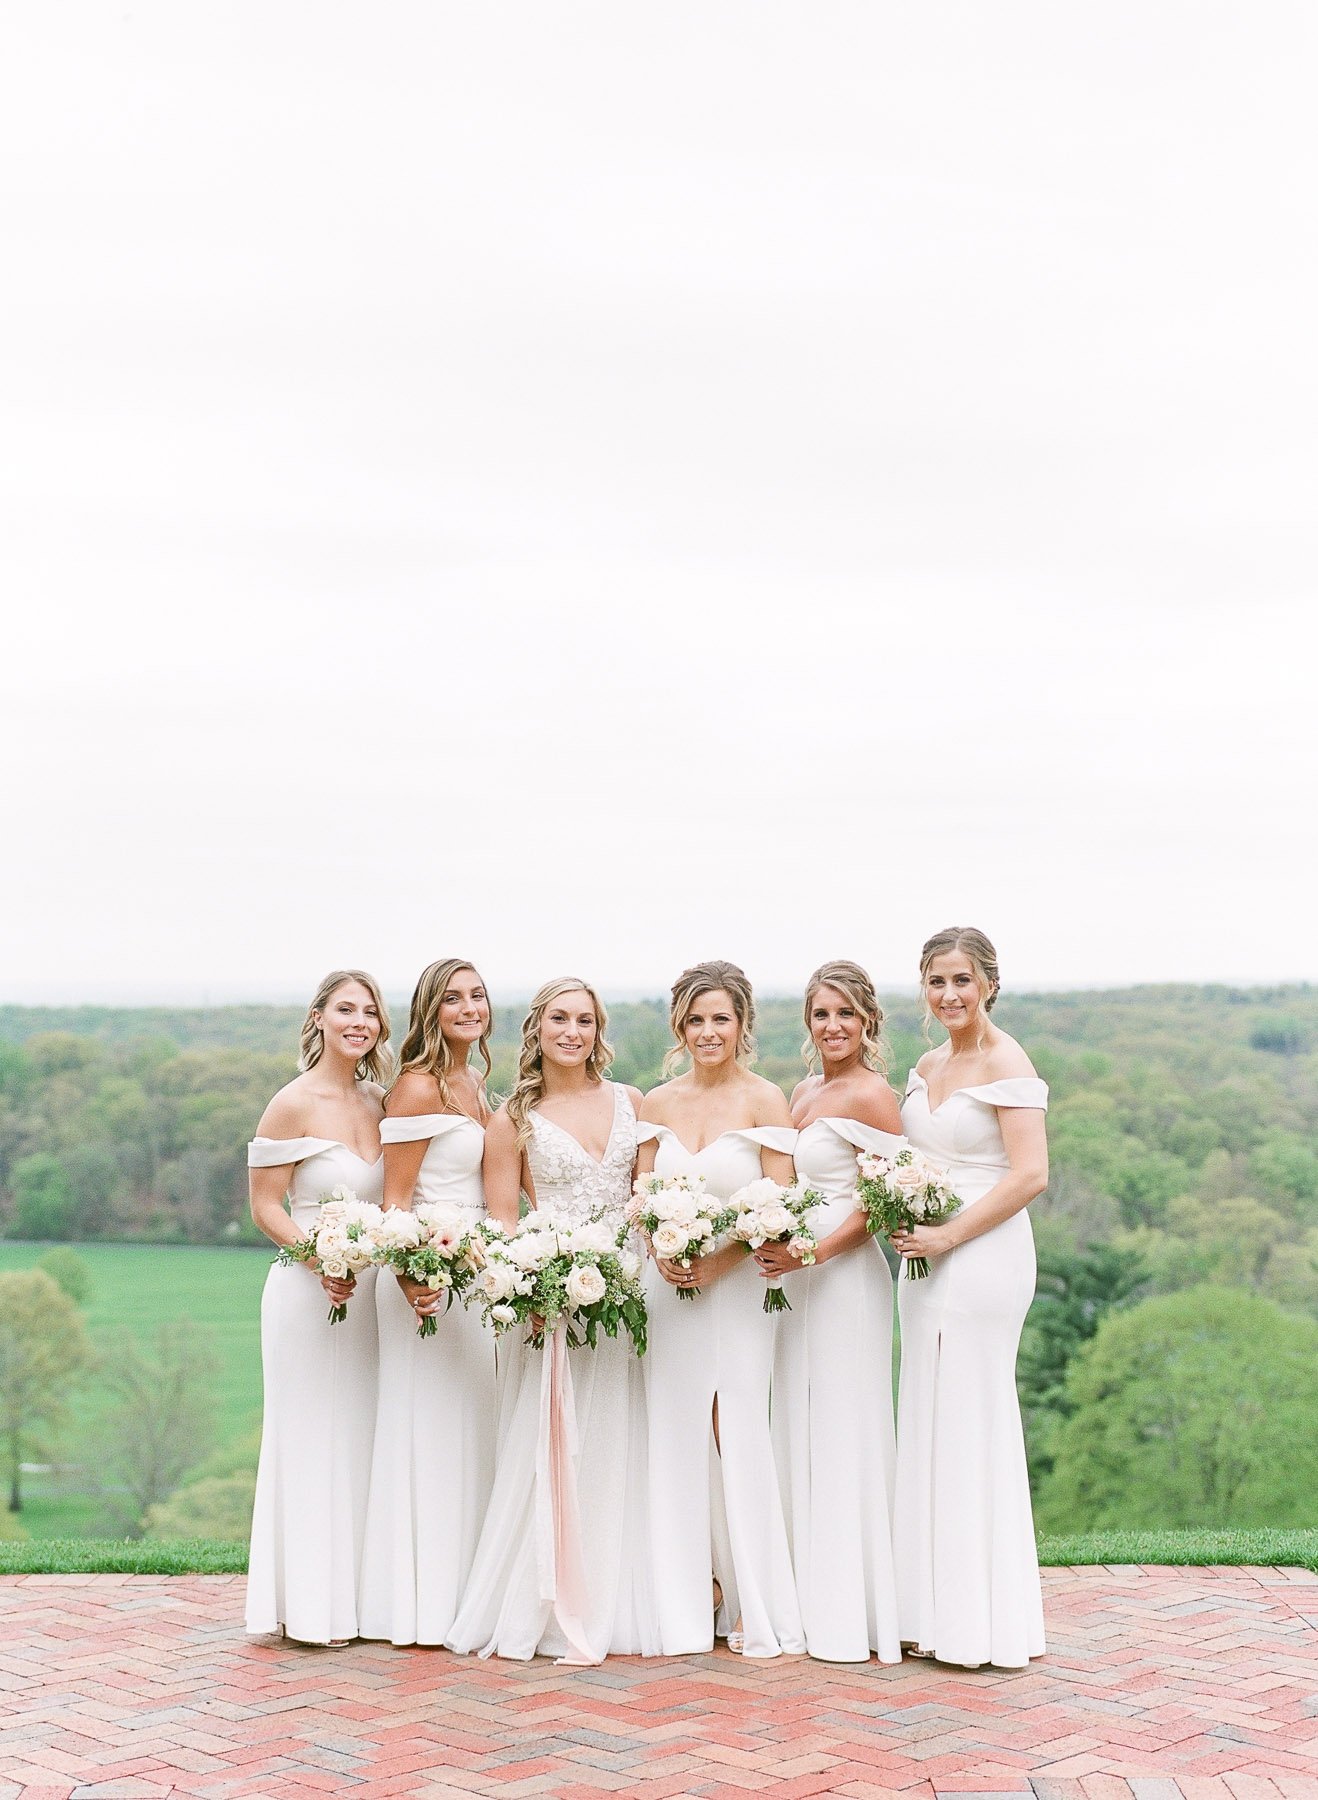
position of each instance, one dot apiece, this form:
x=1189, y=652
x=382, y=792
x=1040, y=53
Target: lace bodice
x=569, y=1184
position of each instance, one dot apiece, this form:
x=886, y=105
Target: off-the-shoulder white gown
x=563, y=1565
x=309, y=1520
x=717, y=1506
x=434, y=1433
x=967, y=1571
x=832, y=1415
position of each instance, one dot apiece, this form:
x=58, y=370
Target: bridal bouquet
x=765, y=1213
x=678, y=1217
x=544, y=1274
x=343, y=1242
x=436, y=1244
x=898, y=1191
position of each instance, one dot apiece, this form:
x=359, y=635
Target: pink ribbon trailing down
x=559, y=1558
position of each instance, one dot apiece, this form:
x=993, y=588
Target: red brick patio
x=1159, y=1683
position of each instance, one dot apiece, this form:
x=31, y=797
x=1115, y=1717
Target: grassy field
x=138, y=1286
x=204, y=1556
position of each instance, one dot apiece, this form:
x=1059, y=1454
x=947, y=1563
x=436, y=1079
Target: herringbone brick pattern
x=1160, y=1684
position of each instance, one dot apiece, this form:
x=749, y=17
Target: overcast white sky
x=594, y=486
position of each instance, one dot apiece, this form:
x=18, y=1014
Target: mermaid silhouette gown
x=967, y=1572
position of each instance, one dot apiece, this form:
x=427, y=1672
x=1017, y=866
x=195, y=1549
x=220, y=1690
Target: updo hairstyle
x=376, y=1064
x=973, y=945
x=710, y=978
x=857, y=990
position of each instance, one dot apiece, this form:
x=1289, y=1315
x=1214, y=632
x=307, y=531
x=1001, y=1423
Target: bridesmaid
x=434, y=1435
x=967, y=1573
x=713, y=1486
x=832, y=1387
x=563, y=1564
x=320, y=1132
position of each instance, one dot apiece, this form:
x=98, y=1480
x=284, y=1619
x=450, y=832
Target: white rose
x=907, y=1179
x=399, y=1230
x=498, y=1281
x=504, y=1315
x=701, y=1228
x=585, y=1285
x=335, y=1267
x=775, y=1219
x=630, y=1264
x=669, y=1240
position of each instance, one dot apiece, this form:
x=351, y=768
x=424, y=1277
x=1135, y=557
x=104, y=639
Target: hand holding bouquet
x=680, y=1219
x=545, y=1274
x=437, y=1245
x=897, y=1192
x=342, y=1244
x=766, y=1213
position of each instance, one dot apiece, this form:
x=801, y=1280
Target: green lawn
x=139, y=1286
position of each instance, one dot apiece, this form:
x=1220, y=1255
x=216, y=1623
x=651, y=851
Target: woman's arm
x=267, y=1189
x=1026, y=1143
x=502, y=1171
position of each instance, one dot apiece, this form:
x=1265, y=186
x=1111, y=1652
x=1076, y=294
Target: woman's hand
x=426, y=1303
x=923, y=1240
x=775, y=1259
x=680, y=1274
x=340, y=1289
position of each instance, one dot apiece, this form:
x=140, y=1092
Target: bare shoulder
x=415, y=1092
x=656, y=1105
x=286, y=1115
x=872, y=1102
x=501, y=1133
x=1006, y=1059
x=770, y=1102
x=930, y=1060
x=804, y=1089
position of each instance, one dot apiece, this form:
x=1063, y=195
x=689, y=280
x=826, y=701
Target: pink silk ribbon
x=559, y=1557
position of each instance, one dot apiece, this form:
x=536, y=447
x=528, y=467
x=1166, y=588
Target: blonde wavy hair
x=978, y=951
x=710, y=978
x=378, y=1061
x=530, y=1082
x=856, y=988
x=425, y=1047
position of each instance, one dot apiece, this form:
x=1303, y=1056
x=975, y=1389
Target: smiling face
x=568, y=1028
x=711, y=1029
x=836, y=1028
x=952, y=991
x=464, y=1011
x=350, y=1021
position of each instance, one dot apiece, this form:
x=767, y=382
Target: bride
x=562, y=1566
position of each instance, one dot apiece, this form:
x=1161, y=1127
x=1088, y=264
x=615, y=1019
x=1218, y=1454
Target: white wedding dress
x=309, y=1518
x=832, y=1415
x=434, y=1431
x=967, y=1572
x=717, y=1510
x=563, y=1566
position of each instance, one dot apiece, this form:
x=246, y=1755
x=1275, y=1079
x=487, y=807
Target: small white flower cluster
x=343, y=1242
x=680, y=1219
x=899, y=1190
x=766, y=1213
x=578, y=1273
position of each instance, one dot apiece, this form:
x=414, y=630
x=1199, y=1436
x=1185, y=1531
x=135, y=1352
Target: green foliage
x=44, y=1202
x=218, y=1506
x=43, y=1346
x=161, y=1421
x=68, y=1270
x=1192, y=1409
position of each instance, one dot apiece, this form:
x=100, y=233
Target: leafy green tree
x=43, y=1349
x=45, y=1204
x=1076, y=1290
x=1193, y=1409
x=1286, y=1164
x=68, y=1269
x=217, y=1506
x=162, y=1422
